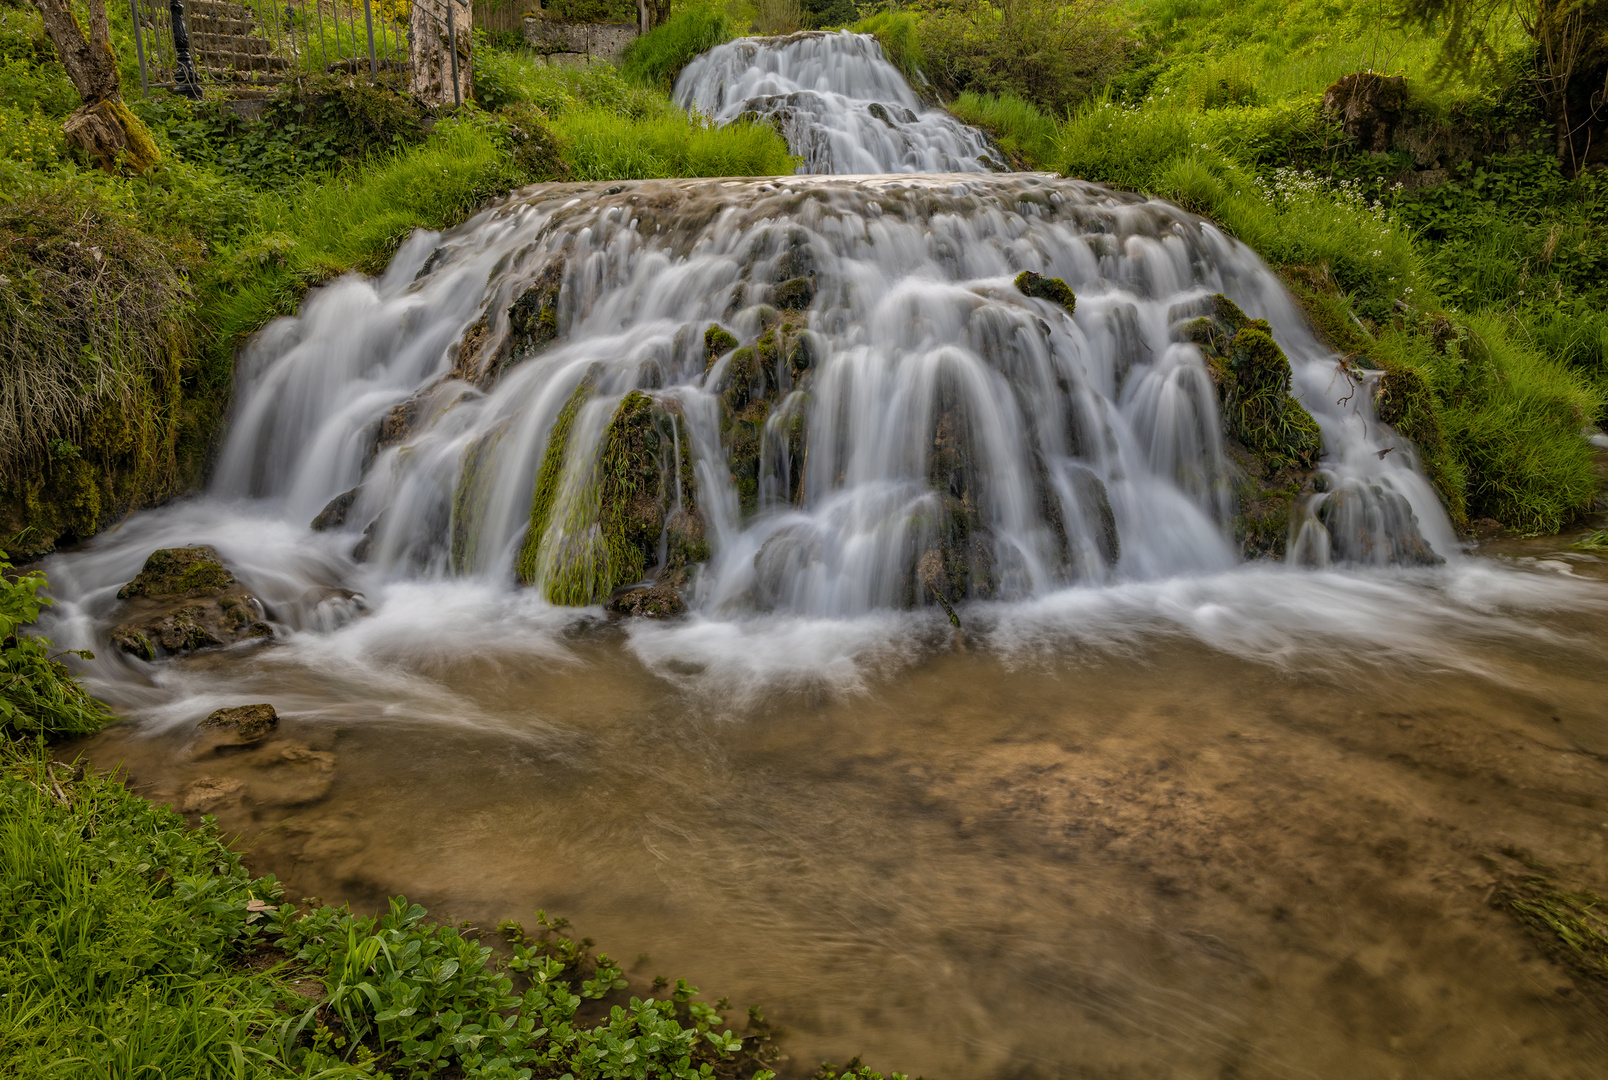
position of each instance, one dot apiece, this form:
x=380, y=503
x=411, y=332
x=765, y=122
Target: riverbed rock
x=240, y=725
x=185, y=599
x=204, y=795
x=659, y=600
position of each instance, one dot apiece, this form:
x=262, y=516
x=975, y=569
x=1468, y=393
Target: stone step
x=226, y=61
x=202, y=24
x=210, y=43
x=218, y=9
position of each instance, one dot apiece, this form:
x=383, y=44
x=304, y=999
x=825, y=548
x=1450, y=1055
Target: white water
x=913, y=306
x=839, y=103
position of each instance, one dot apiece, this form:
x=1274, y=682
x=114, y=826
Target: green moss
x=1404, y=399
x=179, y=572
x=794, y=294
x=717, y=343
x=1052, y=289
x=470, y=498
x=632, y=497
x=548, y=478
x=1258, y=406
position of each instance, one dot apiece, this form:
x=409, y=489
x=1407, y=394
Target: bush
x=1054, y=53
x=657, y=57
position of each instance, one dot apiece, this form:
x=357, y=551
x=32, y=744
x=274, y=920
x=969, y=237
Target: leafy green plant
x=38, y=695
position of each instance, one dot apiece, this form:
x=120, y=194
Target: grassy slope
x=1220, y=111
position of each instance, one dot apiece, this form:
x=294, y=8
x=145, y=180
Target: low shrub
x=1054, y=53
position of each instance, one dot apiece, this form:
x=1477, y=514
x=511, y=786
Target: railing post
x=186, y=80
x=139, y=46
x=368, y=19
x=452, y=44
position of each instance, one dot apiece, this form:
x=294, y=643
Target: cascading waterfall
x=878, y=393
x=811, y=395
x=837, y=101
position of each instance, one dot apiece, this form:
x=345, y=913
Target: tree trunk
x=433, y=27
x=103, y=128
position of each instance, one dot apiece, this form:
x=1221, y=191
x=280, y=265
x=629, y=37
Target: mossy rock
x=240, y=725
x=1404, y=400
x=172, y=572
x=717, y=343
x=1052, y=289
x=795, y=294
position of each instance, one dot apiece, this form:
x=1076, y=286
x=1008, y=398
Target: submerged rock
x=183, y=600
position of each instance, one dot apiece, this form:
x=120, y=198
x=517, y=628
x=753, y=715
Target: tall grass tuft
x=657, y=57
x=605, y=146
x=895, y=31
x=1020, y=127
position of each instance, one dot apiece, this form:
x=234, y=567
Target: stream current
x=1157, y=811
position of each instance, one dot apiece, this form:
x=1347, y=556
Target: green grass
x=605, y=146
x=895, y=31
x=1022, y=130
x=657, y=57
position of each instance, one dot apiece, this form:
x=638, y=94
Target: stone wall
x=563, y=42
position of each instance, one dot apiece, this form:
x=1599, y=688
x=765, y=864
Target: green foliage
x=38, y=696
x=897, y=33
x=657, y=57
x=1053, y=53
x=313, y=125
x=594, y=11
x=1020, y=128
x=354, y=220
x=504, y=78
x=602, y=145
x=117, y=935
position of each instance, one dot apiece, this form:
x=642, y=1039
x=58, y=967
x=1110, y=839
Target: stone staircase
x=228, y=46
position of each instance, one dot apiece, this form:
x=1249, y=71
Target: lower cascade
x=821, y=396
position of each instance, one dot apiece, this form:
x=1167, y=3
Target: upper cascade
x=837, y=101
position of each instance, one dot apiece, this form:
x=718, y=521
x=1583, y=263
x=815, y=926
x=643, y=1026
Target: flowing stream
x=1153, y=810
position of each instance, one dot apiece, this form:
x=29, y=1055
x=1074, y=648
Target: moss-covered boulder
x=184, y=600
x=1052, y=289
x=602, y=514
x=1273, y=441
x=531, y=324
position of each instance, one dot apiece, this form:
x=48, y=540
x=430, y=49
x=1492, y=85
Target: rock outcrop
x=183, y=600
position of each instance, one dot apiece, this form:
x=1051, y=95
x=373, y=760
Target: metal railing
x=264, y=42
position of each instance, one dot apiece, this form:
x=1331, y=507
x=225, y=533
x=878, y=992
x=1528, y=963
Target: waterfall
x=811, y=395
x=829, y=394
x=837, y=101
